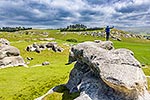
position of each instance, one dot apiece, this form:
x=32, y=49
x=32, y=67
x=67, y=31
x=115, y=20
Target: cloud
x=60, y=13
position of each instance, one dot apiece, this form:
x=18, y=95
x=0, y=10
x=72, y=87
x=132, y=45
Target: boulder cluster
x=114, y=34
x=9, y=55
x=104, y=73
x=39, y=47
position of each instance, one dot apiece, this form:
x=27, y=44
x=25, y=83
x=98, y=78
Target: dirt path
x=148, y=76
x=37, y=65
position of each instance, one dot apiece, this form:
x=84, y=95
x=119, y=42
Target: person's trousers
x=107, y=36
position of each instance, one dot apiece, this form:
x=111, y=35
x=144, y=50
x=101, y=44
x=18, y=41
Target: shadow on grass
x=61, y=89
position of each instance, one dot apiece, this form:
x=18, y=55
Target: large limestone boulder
x=12, y=61
x=10, y=57
x=9, y=51
x=106, y=74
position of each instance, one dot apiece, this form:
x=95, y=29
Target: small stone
x=29, y=58
x=45, y=63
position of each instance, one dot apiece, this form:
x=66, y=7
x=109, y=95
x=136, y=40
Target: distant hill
x=139, y=30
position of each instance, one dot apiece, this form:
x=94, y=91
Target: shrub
x=71, y=40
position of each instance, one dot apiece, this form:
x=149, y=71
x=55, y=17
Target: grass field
x=21, y=83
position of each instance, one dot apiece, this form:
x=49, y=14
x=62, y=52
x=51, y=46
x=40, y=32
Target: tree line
x=79, y=27
x=13, y=29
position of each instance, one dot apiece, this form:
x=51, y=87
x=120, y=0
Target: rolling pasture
x=21, y=83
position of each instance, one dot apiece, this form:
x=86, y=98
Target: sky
x=61, y=13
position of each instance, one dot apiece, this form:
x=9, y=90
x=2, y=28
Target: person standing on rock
x=107, y=30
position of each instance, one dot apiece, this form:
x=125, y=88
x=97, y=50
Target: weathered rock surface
x=106, y=74
x=10, y=57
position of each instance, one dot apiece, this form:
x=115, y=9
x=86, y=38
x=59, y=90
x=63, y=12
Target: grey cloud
x=47, y=13
x=134, y=8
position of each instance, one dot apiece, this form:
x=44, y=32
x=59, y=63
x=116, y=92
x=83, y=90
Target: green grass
x=29, y=83
x=21, y=83
x=141, y=50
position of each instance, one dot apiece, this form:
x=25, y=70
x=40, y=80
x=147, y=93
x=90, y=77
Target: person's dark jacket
x=107, y=29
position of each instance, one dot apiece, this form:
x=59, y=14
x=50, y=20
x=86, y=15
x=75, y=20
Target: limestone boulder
x=10, y=57
x=4, y=41
x=45, y=63
x=9, y=51
x=106, y=74
x=12, y=62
